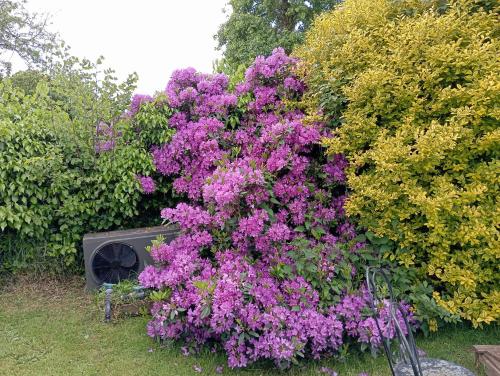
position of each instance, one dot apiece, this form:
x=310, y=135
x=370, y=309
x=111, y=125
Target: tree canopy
x=256, y=27
x=24, y=34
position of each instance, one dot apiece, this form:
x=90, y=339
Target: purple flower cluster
x=148, y=185
x=366, y=328
x=335, y=169
x=188, y=217
x=199, y=94
x=137, y=101
x=105, y=137
x=256, y=195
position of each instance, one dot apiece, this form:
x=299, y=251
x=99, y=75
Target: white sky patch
x=150, y=37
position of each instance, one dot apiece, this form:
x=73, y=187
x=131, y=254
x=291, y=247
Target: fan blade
x=115, y=262
x=117, y=247
x=103, y=256
x=124, y=273
x=101, y=267
x=108, y=277
x=116, y=275
x=128, y=258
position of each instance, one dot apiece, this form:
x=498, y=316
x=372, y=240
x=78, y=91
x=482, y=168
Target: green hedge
x=54, y=186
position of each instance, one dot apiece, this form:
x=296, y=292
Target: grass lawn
x=54, y=328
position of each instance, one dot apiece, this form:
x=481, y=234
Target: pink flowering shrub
x=266, y=262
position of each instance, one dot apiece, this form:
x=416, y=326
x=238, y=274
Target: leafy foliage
x=56, y=179
x=27, y=80
x=412, y=94
x=257, y=27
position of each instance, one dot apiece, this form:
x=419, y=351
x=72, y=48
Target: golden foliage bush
x=412, y=92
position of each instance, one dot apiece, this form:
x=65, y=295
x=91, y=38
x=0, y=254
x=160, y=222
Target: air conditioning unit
x=118, y=255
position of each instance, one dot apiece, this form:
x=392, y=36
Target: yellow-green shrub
x=412, y=91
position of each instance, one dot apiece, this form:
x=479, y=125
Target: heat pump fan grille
x=115, y=262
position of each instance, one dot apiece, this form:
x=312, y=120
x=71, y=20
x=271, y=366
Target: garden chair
x=401, y=351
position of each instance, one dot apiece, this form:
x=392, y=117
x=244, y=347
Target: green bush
x=54, y=186
x=412, y=92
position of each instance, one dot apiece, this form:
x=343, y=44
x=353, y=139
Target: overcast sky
x=150, y=37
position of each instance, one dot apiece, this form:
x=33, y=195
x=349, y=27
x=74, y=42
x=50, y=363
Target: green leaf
x=241, y=339
x=205, y=312
x=275, y=201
